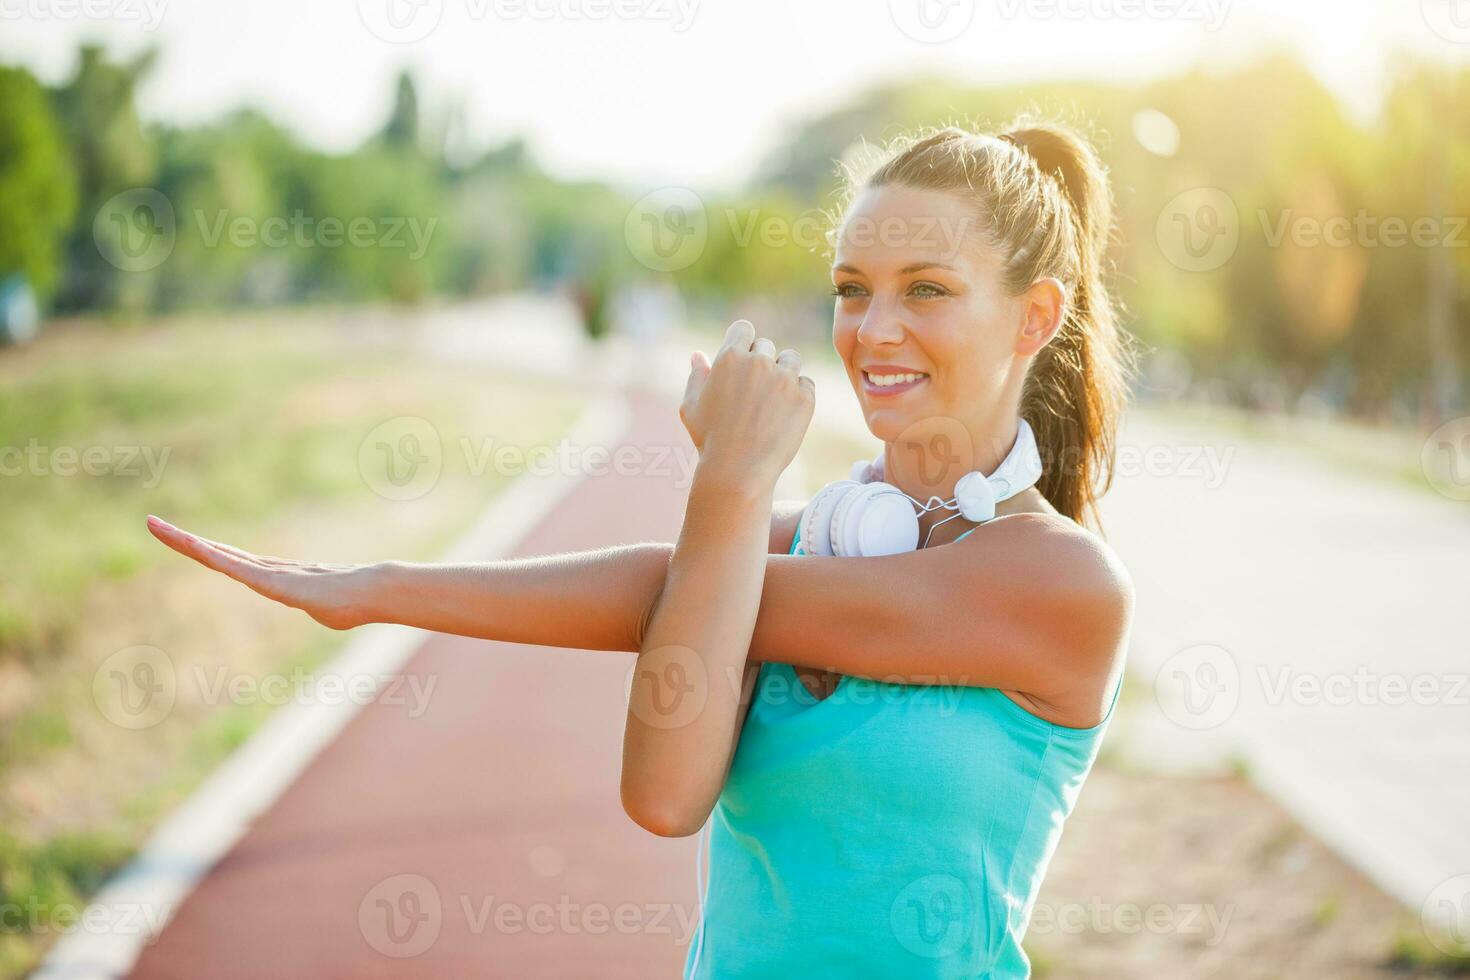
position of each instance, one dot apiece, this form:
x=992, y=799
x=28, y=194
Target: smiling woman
x=893, y=835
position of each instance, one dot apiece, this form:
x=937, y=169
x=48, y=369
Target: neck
x=930, y=458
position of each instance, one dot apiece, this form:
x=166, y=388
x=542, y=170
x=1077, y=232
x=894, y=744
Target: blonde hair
x=1044, y=196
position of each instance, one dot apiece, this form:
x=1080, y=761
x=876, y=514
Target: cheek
x=968, y=348
x=947, y=337
x=844, y=334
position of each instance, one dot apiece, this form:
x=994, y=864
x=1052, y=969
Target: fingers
x=241, y=569
x=739, y=336
x=698, y=373
x=170, y=535
x=246, y=555
x=699, y=368
x=790, y=361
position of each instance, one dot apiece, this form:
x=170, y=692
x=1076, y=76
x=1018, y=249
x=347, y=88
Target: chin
x=888, y=424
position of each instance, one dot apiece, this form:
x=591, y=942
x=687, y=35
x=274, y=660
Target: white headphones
x=865, y=517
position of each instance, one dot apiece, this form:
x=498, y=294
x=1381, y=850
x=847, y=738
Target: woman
x=912, y=729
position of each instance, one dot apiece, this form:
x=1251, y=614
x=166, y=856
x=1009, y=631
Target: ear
x=1044, y=305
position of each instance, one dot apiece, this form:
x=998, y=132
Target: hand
x=748, y=411
x=337, y=596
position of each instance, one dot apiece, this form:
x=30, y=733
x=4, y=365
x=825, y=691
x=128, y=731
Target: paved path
x=485, y=837
x=1311, y=623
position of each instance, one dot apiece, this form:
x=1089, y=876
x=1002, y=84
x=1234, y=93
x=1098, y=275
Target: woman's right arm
x=590, y=600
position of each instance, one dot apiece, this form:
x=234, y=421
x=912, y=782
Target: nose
x=881, y=325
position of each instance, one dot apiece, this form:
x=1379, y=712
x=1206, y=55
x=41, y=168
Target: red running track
x=483, y=838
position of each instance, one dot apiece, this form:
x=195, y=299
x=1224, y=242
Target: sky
x=692, y=92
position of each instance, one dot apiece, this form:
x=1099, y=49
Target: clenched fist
x=748, y=410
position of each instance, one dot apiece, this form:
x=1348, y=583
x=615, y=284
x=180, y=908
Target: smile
x=892, y=383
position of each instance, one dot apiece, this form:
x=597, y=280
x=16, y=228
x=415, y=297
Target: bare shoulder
x=1066, y=568
x=1066, y=547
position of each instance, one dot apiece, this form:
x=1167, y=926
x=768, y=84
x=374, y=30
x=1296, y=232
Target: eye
x=929, y=290
x=846, y=290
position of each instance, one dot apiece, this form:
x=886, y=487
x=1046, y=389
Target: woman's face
x=922, y=321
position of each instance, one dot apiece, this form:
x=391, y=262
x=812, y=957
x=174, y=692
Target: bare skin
x=1030, y=604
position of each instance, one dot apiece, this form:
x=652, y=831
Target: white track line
x=134, y=905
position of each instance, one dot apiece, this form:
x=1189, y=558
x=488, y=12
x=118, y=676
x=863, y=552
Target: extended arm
x=1027, y=603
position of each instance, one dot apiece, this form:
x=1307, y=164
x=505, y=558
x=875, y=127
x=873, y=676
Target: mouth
x=884, y=382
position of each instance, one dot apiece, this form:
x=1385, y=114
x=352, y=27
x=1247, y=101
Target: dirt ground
x=1181, y=877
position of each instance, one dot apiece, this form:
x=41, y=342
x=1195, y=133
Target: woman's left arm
x=1030, y=603
x=747, y=413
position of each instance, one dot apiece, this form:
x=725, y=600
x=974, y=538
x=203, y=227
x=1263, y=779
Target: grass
x=44, y=888
x=243, y=429
x=180, y=429
x=1412, y=950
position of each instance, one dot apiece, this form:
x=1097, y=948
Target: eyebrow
x=912, y=267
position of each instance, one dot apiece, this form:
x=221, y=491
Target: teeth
x=885, y=380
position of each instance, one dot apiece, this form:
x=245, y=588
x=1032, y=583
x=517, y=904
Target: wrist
x=377, y=584
x=733, y=478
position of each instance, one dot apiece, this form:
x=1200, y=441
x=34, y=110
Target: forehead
x=893, y=226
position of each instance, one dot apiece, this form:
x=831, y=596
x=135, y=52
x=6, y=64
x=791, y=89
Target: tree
x=402, y=129
x=111, y=154
x=37, y=185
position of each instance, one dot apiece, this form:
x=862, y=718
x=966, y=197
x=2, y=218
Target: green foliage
x=37, y=185
x=1279, y=319
x=1412, y=951
x=1368, y=328
x=402, y=130
x=43, y=888
x=111, y=154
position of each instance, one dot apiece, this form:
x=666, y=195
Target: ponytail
x=1045, y=195
x=1078, y=384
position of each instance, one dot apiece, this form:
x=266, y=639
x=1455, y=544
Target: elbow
x=662, y=815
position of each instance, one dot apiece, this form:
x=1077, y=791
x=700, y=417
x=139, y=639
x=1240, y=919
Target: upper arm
x=1029, y=602
x=785, y=514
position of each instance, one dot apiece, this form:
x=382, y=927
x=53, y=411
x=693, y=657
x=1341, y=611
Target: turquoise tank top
x=888, y=830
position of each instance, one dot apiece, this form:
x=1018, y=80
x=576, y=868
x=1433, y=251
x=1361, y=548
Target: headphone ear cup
x=838, y=527
x=875, y=519
x=816, y=520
